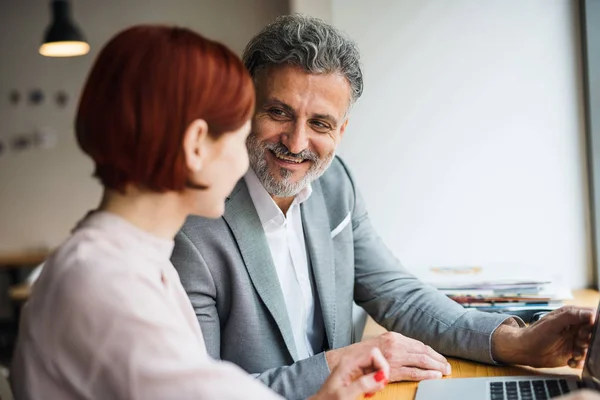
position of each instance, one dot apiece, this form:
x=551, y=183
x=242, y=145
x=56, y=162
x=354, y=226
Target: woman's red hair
x=148, y=84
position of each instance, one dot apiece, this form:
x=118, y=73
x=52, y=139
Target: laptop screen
x=591, y=370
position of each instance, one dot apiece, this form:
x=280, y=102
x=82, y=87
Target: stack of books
x=491, y=291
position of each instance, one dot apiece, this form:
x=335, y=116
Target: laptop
x=517, y=387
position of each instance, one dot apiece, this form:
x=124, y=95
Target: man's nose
x=296, y=139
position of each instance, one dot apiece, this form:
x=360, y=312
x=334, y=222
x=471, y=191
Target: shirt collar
x=265, y=206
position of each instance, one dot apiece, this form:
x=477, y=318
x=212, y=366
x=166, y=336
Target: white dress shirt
x=285, y=236
x=109, y=319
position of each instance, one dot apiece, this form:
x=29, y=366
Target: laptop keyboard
x=528, y=390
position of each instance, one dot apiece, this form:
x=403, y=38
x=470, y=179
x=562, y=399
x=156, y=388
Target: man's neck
x=283, y=203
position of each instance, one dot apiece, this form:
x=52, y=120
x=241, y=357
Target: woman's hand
x=364, y=372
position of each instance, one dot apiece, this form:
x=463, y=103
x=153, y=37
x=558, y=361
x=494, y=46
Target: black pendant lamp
x=63, y=38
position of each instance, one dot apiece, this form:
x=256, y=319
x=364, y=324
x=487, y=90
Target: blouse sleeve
x=124, y=340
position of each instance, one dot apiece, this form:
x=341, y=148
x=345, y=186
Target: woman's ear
x=195, y=142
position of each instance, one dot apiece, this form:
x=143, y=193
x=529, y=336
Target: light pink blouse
x=109, y=319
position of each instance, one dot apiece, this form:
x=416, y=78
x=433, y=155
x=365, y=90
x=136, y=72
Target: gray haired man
x=274, y=280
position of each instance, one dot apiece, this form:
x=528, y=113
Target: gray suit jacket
x=226, y=268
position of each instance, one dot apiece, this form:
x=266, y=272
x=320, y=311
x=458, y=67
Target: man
x=273, y=281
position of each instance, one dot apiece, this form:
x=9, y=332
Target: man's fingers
x=582, y=344
x=575, y=363
x=582, y=340
x=424, y=350
x=415, y=374
x=416, y=347
x=570, y=315
x=435, y=355
x=415, y=354
x=585, y=333
x=578, y=355
x=425, y=362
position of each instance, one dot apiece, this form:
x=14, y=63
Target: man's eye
x=320, y=126
x=276, y=112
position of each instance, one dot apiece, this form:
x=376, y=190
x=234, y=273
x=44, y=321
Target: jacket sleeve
x=400, y=302
x=201, y=290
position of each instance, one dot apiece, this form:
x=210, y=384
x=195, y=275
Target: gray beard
x=283, y=186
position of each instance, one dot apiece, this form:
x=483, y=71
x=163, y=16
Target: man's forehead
x=294, y=87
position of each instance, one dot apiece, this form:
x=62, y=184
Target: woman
x=164, y=115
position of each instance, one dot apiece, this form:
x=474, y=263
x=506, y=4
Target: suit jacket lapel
x=320, y=250
x=243, y=220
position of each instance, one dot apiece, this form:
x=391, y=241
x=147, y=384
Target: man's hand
x=409, y=359
x=560, y=338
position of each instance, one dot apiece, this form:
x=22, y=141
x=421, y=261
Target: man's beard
x=283, y=186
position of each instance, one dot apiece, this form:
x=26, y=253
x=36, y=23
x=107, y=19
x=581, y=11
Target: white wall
x=315, y=8
x=43, y=193
x=468, y=143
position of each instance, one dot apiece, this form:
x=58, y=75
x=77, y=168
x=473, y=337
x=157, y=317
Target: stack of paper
x=497, y=289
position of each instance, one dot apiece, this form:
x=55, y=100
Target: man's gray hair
x=309, y=43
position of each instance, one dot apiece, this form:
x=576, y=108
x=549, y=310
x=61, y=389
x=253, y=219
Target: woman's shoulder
x=89, y=269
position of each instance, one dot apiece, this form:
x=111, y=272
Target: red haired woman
x=164, y=115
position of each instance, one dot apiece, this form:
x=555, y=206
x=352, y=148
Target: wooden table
x=460, y=368
x=12, y=262
x=19, y=293
x=14, y=265
x=469, y=369
x=23, y=259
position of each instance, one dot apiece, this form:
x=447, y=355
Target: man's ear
x=343, y=127
x=195, y=142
